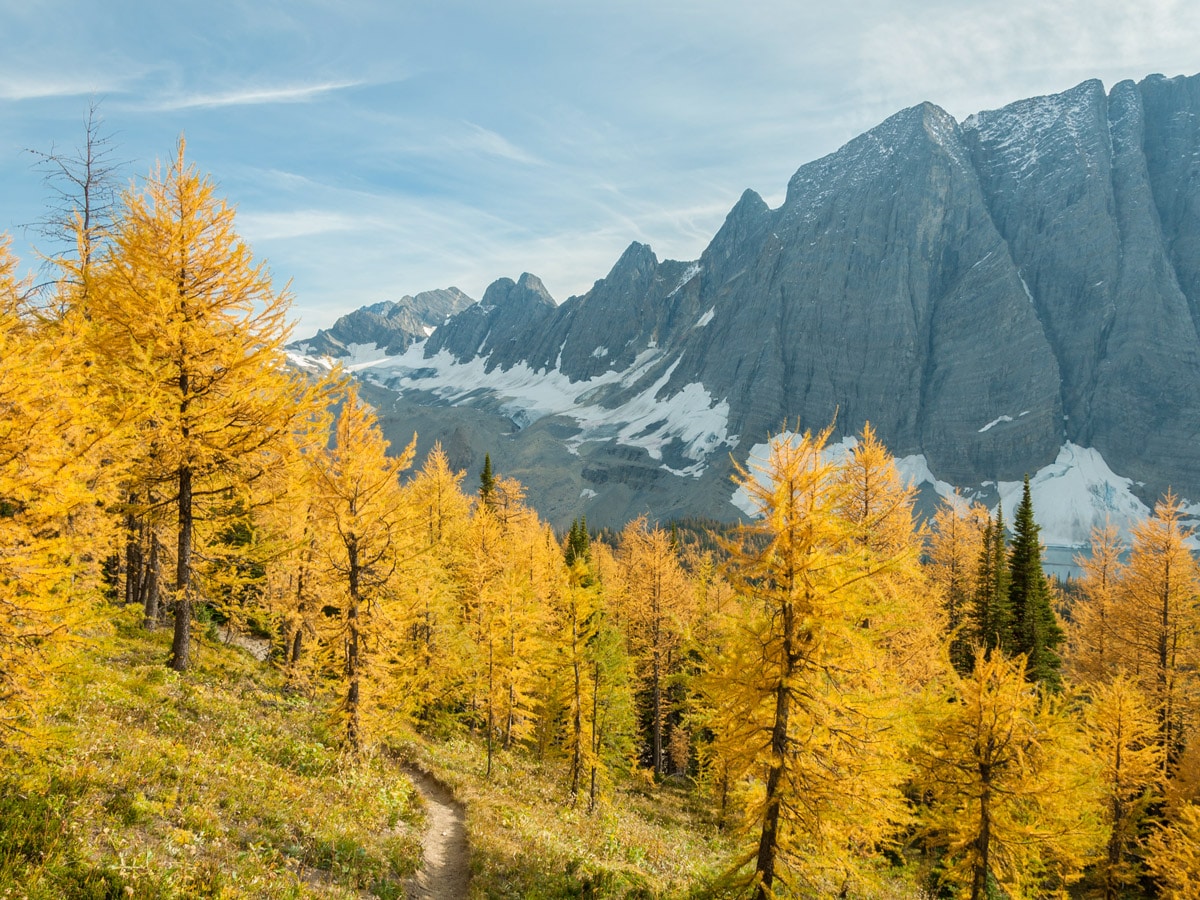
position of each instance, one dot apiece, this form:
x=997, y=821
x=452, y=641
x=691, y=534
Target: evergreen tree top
x=487, y=481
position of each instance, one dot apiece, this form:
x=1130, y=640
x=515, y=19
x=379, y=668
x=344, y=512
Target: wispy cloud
x=253, y=96
x=273, y=226
x=483, y=140
x=993, y=52
x=44, y=87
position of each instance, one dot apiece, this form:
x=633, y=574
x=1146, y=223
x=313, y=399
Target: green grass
x=528, y=841
x=218, y=783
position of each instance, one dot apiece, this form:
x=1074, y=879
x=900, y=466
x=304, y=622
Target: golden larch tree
x=800, y=690
x=189, y=331
x=1159, y=622
x=654, y=602
x=1095, y=650
x=437, y=639
x=878, y=507
x=1123, y=733
x=53, y=536
x=1173, y=854
x=366, y=537
x=1012, y=793
x=955, y=546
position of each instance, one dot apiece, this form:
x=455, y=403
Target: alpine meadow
x=253, y=647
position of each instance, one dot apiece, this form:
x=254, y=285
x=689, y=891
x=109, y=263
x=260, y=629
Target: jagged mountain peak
x=534, y=284
x=637, y=262
x=918, y=134
x=1072, y=119
x=387, y=327
x=527, y=290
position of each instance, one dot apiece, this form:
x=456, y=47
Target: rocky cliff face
x=984, y=293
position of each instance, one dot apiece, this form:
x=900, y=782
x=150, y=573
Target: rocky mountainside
x=995, y=296
x=391, y=326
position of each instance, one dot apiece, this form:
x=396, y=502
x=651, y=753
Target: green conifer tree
x=487, y=481
x=1035, y=628
x=992, y=613
x=578, y=543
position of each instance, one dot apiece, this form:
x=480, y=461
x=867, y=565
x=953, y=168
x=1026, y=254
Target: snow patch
x=1071, y=496
x=706, y=318
x=688, y=274
x=756, y=463
x=915, y=472
x=600, y=352
x=1028, y=293
x=1190, y=517
x=691, y=416
x=834, y=453
x=587, y=494
x=361, y=355
x=992, y=424
x=1075, y=494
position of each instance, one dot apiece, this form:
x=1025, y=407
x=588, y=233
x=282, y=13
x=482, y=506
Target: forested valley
x=833, y=700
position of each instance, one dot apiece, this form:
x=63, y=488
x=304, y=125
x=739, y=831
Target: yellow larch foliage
x=801, y=691
x=878, y=507
x=189, y=334
x=437, y=643
x=654, y=603
x=295, y=580
x=1012, y=789
x=53, y=538
x=365, y=534
x=511, y=619
x=1095, y=650
x=1157, y=635
x=1173, y=854
x=1122, y=731
x=955, y=545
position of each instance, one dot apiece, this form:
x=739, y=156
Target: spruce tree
x=1035, y=629
x=578, y=543
x=487, y=481
x=992, y=613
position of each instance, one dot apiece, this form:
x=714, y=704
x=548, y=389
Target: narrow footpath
x=445, y=867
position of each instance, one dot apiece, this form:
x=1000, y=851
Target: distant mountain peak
x=390, y=326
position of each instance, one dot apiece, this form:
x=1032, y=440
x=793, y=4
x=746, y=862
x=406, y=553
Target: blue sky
x=375, y=149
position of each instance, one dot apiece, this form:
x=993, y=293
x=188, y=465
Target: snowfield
x=1073, y=495
x=691, y=416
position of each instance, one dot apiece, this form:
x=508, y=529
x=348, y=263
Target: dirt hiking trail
x=445, y=870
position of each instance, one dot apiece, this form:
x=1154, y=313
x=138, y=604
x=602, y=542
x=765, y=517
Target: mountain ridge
x=985, y=293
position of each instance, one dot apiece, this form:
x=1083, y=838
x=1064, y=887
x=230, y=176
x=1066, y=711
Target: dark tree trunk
x=133, y=557
x=149, y=587
x=353, y=723
x=181, y=644
x=768, y=844
x=984, y=845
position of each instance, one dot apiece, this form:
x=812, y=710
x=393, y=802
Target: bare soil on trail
x=445, y=870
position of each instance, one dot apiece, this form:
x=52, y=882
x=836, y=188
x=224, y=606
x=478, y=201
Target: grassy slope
x=215, y=784
x=222, y=783
x=528, y=841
